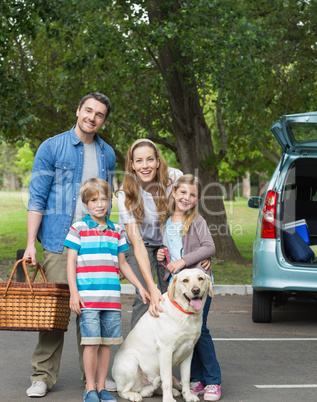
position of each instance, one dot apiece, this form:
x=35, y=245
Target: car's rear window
x=304, y=131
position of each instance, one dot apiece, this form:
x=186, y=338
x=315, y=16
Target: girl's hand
x=160, y=255
x=75, y=302
x=144, y=294
x=206, y=264
x=175, y=266
x=156, y=298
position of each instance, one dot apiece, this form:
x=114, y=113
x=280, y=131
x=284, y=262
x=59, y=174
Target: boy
x=95, y=254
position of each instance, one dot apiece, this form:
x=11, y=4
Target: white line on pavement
x=264, y=339
x=288, y=386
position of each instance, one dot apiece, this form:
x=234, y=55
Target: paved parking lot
x=259, y=362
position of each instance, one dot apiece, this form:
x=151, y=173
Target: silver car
x=283, y=253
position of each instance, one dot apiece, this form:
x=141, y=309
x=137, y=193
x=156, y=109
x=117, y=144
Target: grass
x=241, y=219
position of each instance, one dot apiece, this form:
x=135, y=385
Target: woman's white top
x=150, y=228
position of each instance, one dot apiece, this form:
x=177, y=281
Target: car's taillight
x=268, y=230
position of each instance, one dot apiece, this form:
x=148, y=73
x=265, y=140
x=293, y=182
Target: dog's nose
x=196, y=290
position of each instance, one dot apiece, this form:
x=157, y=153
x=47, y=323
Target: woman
x=142, y=202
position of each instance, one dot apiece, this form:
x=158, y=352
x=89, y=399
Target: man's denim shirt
x=56, y=180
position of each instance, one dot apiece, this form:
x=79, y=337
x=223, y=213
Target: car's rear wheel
x=262, y=306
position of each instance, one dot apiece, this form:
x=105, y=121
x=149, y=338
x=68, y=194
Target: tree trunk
x=10, y=181
x=246, y=183
x=194, y=143
x=262, y=186
x=229, y=193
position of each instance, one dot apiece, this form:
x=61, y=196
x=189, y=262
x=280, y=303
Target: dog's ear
x=210, y=292
x=171, y=288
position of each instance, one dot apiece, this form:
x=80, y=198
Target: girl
x=188, y=240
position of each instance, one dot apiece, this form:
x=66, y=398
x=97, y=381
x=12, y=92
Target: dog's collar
x=178, y=306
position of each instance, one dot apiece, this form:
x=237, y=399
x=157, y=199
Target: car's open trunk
x=299, y=197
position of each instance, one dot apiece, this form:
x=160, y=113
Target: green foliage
x=237, y=65
x=24, y=164
x=242, y=221
x=18, y=160
x=54, y=52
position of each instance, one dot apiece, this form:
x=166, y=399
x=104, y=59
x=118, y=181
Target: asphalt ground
x=259, y=362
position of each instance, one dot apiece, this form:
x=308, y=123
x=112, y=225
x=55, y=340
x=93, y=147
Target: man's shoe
x=37, y=389
x=110, y=385
x=212, y=392
x=197, y=388
x=91, y=396
x=105, y=396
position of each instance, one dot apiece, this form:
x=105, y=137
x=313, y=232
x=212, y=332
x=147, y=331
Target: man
x=62, y=163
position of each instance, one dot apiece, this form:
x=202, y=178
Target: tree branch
x=119, y=155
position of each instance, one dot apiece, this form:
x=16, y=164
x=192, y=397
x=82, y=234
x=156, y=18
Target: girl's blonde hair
x=191, y=214
x=93, y=186
x=133, y=199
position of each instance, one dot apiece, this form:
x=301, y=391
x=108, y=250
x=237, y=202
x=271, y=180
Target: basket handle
x=29, y=281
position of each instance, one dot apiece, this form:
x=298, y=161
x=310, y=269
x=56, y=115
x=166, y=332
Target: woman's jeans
x=205, y=367
x=138, y=307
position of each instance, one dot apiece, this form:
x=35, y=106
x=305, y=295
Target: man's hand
x=30, y=253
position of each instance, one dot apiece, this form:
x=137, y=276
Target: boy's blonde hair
x=133, y=201
x=188, y=179
x=92, y=186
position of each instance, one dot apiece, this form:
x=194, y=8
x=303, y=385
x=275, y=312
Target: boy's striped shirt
x=97, y=271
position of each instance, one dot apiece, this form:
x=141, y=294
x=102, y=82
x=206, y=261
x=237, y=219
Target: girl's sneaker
x=197, y=388
x=212, y=392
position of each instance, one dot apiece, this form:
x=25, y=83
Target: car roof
x=296, y=132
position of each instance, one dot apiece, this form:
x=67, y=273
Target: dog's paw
x=175, y=392
x=131, y=396
x=147, y=391
x=189, y=397
x=168, y=399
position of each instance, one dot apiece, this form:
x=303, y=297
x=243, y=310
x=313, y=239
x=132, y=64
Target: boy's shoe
x=197, y=388
x=110, y=385
x=91, y=396
x=37, y=389
x=105, y=396
x=212, y=392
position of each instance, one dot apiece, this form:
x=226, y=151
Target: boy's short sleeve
x=122, y=245
x=73, y=239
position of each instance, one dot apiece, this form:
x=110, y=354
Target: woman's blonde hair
x=191, y=214
x=133, y=199
x=93, y=186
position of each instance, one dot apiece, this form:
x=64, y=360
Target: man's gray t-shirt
x=90, y=169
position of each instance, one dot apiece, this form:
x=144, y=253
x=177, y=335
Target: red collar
x=178, y=306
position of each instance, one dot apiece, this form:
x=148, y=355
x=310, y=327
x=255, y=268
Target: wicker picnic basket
x=33, y=306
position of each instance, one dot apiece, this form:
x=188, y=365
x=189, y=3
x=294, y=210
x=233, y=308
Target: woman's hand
x=156, y=298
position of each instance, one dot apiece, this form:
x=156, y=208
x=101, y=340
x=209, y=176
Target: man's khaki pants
x=47, y=356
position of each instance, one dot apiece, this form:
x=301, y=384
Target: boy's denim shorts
x=100, y=327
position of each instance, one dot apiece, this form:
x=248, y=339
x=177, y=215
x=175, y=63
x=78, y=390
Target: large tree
x=197, y=76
